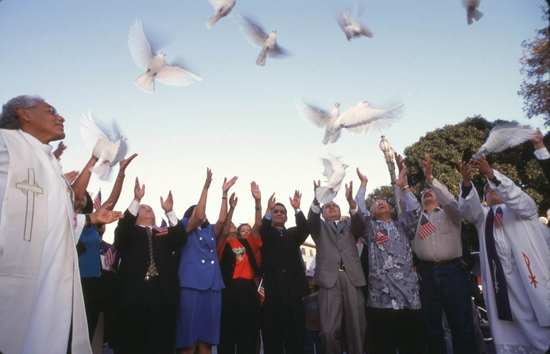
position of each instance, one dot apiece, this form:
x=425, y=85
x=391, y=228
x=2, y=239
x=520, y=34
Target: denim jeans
x=445, y=288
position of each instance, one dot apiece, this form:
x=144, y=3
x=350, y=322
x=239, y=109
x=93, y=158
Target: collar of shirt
x=436, y=209
x=32, y=140
x=386, y=224
x=151, y=227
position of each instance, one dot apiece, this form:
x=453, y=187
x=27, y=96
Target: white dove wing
x=122, y=148
x=216, y=4
x=90, y=132
x=363, y=118
x=337, y=178
x=311, y=114
x=365, y=31
x=344, y=20
x=176, y=76
x=504, y=136
x=329, y=169
x=139, y=46
x=252, y=33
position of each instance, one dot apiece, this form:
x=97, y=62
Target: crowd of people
x=191, y=285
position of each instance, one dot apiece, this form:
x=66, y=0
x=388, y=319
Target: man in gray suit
x=339, y=274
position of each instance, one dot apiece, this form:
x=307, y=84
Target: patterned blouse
x=392, y=281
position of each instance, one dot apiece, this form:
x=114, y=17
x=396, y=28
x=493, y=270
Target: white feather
x=176, y=76
x=362, y=118
x=334, y=172
x=139, y=46
x=311, y=114
x=503, y=136
x=252, y=32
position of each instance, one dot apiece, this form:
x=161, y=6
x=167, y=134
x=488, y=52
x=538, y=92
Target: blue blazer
x=199, y=268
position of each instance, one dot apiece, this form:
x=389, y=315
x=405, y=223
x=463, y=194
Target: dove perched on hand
x=222, y=8
x=256, y=37
x=505, y=135
x=154, y=64
x=353, y=29
x=108, y=146
x=334, y=172
x=321, y=119
x=472, y=13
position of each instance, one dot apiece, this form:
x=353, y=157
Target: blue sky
x=241, y=119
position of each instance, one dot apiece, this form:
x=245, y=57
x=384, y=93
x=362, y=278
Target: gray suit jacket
x=336, y=244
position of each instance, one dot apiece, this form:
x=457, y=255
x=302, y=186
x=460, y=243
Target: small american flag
x=97, y=200
x=426, y=227
x=109, y=257
x=498, y=218
x=261, y=291
x=161, y=231
x=381, y=237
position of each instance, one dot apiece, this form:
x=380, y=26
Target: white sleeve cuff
x=354, y=211
x=133, y=208
x=542, y=154
x=316, y=208
x=172, y=218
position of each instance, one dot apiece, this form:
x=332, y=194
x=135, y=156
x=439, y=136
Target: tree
x=535, y=88
x=453, y=143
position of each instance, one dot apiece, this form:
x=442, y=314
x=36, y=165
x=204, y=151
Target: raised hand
x=482, y=166
x=400, y=161
x=255, y=189
x=167, y=204
x=349, y=191
x=401, y=181
x=315, y=186
x=124, y=163
x=466, y=172
x=427, y=166
x=271, y=203
x=228, y=184
x=71, y=176
x=536, y=140
x=208, y=178
x=105, y=216
x=295, y=201
x=59, y=151
x=233, y=201
x=362, y=178
x=139, y=192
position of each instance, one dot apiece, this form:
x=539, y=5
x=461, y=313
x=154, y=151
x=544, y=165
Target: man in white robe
x=518, y=301
x=41, y=305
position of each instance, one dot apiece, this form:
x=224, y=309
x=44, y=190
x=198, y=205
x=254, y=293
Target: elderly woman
x=240, y=319
x=198, y=324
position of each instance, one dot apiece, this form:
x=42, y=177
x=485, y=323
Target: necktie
x=281, y=232
x=497, y=273
x=152, y=271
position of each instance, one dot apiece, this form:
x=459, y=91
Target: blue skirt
x=199, y=315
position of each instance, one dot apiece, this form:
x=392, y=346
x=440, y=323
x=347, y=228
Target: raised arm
x=468, y=200
x=444, y=197
x=227, y=227
x=357, y=218
x=265, y=229
x=117, y=188
x=223, y=210
x=81, y=182
x=177, y=236
x=360, y=197
x=302, y=231
x=412, y=203
x=122, y=232
x=541, y=153
x=200, y=210
x=257, y=195
x=314, y=214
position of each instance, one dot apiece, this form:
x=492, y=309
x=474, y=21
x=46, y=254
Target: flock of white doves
x=109, y=144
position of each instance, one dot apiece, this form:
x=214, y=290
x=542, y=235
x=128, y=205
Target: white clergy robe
x=525, y=260
x=40, y=292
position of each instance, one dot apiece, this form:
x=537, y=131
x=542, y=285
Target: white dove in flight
x=222, y=8
x=505, y=135
x=363, y=118
x=334, y=172
x=472, y=13
x=321, y=119
x=256, y=37
x=154, y=64
x=108, y=146
x=353, y=29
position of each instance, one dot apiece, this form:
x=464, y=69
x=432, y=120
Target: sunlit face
x=331, y=211
x=146, y=215
x=233, y=229
x=428, y=196
x=244, y=231
x=492, y=197
x=279, y=216
x=44, y=123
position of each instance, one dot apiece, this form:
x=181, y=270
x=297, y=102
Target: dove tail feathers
x=103, y=170
x=324, y=195
x=262, y=58
x=145, y=83
x=477, y=15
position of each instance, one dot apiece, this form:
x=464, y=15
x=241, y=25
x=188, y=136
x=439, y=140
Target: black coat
x=545, y=165
x=281, y=258
x=133, y=246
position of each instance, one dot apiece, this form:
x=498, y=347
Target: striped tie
x=152, y=271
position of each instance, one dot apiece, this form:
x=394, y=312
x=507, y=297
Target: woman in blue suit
x=198, y=325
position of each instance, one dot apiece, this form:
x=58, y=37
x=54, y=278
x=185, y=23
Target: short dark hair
x=281, y=204
x=189, y=212
x=89, y=208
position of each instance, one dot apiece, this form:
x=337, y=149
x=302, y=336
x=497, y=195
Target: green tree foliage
x=453, y=143
x=535, y=88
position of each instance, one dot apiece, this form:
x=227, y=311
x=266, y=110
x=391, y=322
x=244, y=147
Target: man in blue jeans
x=443, y=275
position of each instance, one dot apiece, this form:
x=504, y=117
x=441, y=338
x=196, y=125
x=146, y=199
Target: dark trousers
x=284, y=323
x=150, y=323
x=389, y=330
x=240, y=319
x=446, y=288
x=313, y=342
x=91, y=291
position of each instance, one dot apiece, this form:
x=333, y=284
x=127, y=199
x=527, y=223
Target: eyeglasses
x=51, y=109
